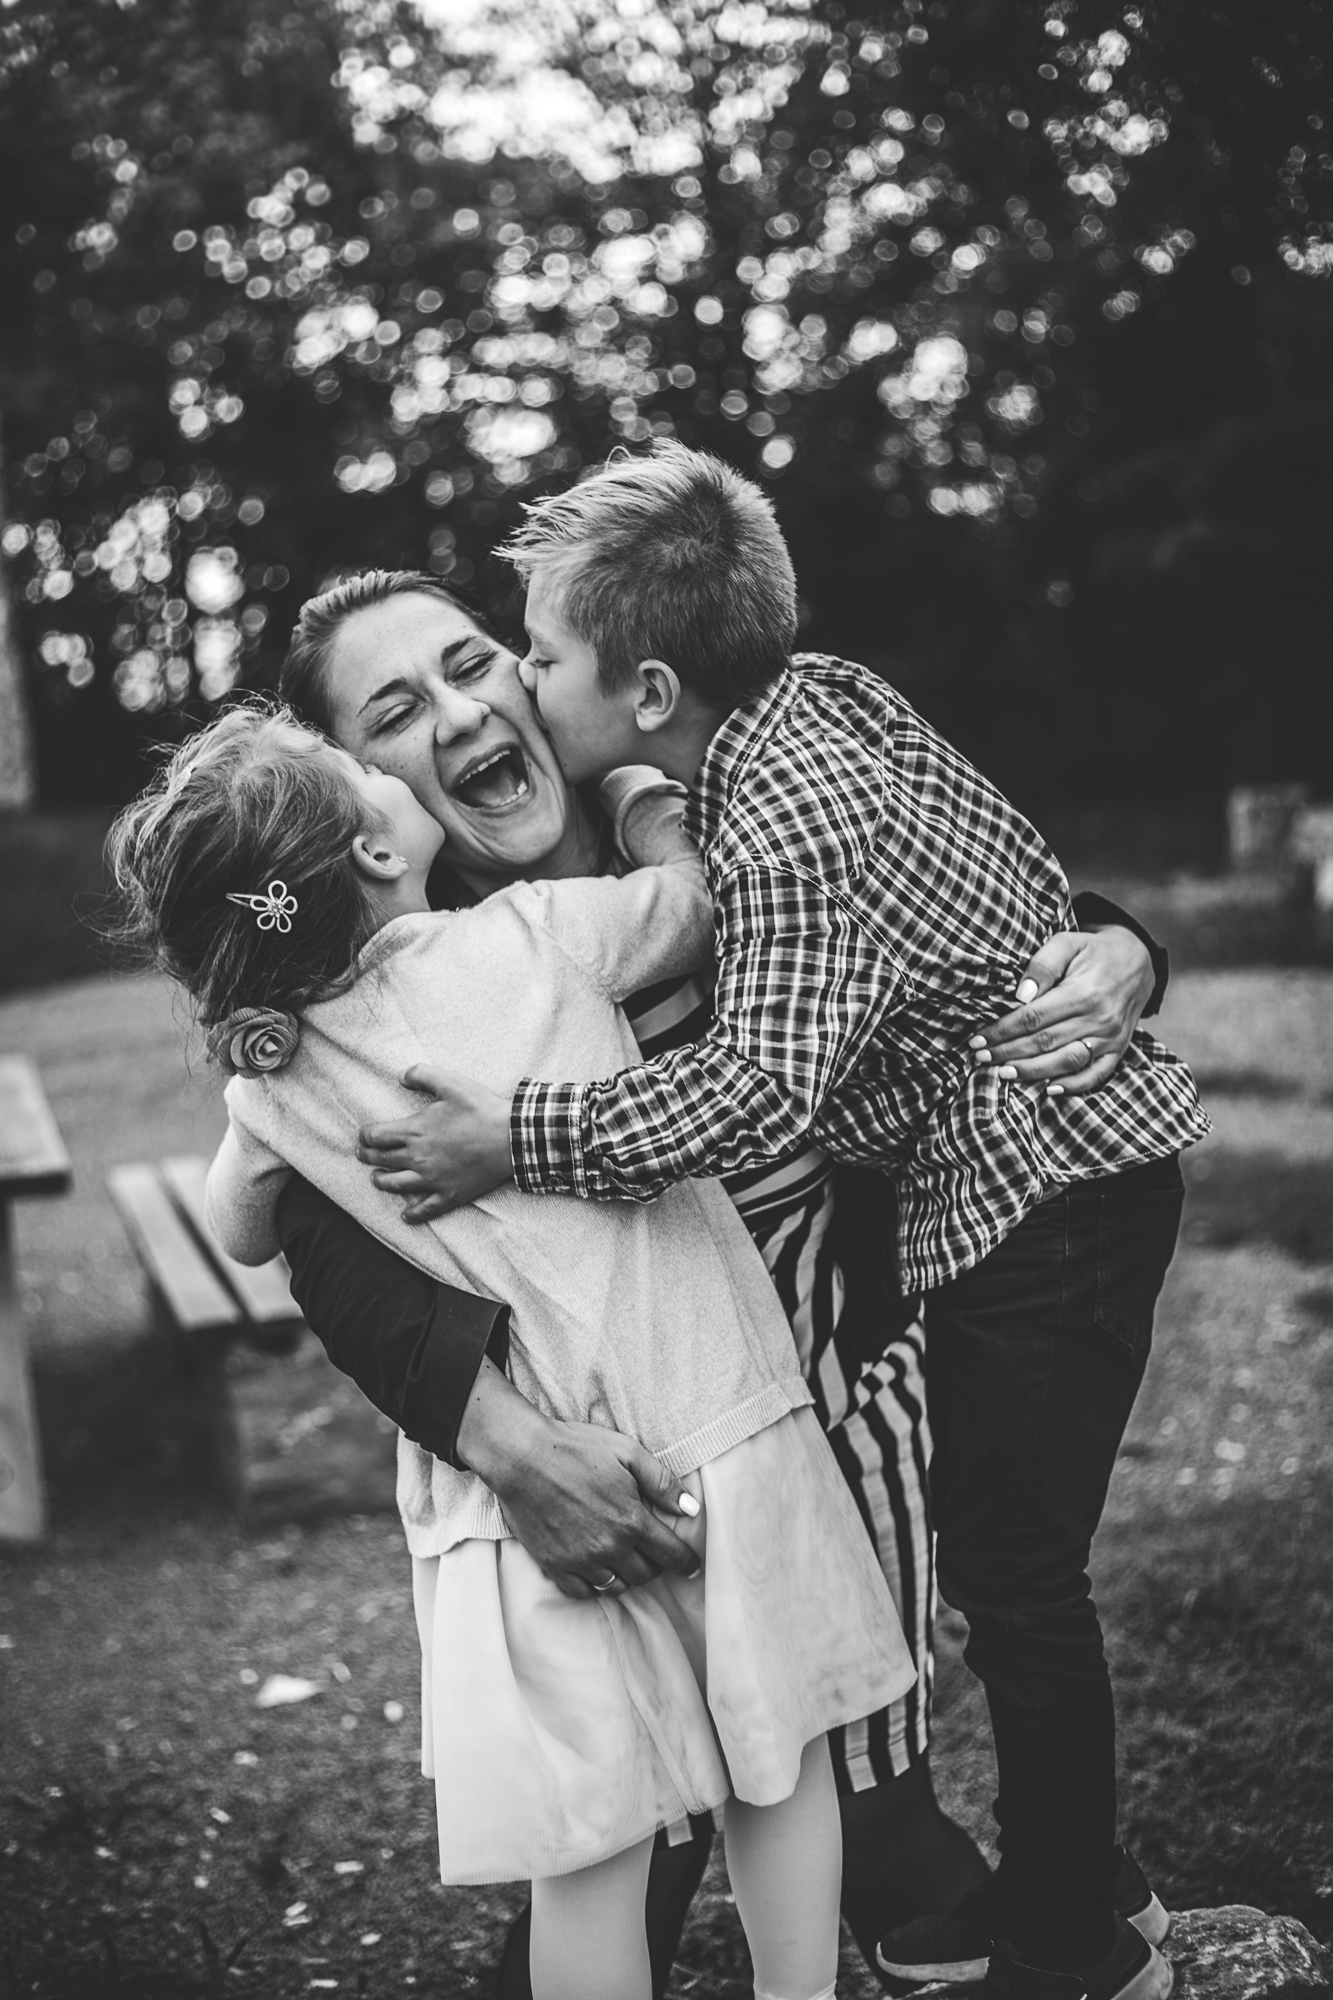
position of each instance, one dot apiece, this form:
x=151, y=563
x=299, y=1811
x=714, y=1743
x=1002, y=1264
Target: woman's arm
x=431, y=1357
x=412, y=1346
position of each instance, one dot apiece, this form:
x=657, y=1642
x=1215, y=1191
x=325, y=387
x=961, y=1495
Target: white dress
x=562, y=1731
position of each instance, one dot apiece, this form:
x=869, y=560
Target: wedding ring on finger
x=610, y=1584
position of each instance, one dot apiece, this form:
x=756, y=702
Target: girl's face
x=420, y=693
x=408, y=827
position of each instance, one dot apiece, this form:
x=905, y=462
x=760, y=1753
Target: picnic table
x=33, y=1160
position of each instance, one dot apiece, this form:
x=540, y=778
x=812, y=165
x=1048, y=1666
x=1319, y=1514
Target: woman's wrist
x=500, y=1429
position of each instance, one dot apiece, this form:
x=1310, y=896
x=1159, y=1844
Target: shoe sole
x=1151, y=1923
x=1154, y=1982
x=948, y=1972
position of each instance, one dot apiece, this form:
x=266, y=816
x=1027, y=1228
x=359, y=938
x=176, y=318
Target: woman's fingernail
x=1027, y=991
x=977, y=1042
x=688, y=1505
x=1009, y=1073
x=983, y=1056
x=1055, y=1090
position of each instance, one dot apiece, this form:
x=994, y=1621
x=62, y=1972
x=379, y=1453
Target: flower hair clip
x=254, y=1041
x=274, y=909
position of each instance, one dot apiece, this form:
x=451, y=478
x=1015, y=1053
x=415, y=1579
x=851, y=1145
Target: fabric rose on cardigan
x=254, y=1041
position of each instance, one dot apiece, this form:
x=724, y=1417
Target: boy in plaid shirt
x=874, y=896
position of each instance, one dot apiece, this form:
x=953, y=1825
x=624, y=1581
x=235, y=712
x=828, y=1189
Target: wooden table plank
x=264, y=1290
x=33, y=1158
x=22, y=1490
x=174, y=1260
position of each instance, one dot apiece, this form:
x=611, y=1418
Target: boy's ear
x=657, y=695
x=375, y=858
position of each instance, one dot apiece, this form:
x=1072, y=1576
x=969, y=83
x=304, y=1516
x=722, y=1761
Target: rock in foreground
x=1239, y=1953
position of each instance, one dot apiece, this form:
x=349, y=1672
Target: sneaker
x=954, y=1949
x=1132, y=1969
x=1135, y=1901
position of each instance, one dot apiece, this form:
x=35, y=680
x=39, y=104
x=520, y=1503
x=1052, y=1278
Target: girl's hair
x=304, y=683
x=255, y=798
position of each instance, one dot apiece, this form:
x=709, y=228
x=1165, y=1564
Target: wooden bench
x=291, y=1438
x=202, y=1299
x=33, y=1160
x=200, y=1293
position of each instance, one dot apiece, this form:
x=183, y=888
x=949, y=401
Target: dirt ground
x=161, y=1836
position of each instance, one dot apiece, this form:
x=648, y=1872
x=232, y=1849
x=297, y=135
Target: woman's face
x=418, y=690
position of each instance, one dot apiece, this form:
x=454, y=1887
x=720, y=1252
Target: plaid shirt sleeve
x=800, y=992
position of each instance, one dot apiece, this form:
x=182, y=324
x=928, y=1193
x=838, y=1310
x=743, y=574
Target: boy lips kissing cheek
x=595, y=723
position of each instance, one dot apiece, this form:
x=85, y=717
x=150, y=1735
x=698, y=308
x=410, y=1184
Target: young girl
x=285, y=885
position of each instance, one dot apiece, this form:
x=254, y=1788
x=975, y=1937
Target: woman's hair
x=255, y=798
x=304, y=683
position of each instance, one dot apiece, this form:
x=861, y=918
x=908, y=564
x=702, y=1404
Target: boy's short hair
x=670, y=556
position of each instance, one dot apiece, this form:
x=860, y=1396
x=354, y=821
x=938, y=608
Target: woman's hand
x=455, y=1149
x=584, y=1501
x=1082, y=997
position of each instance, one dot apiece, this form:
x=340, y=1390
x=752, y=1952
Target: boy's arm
x=800, y=992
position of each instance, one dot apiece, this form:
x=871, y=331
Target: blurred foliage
x=1023, y=311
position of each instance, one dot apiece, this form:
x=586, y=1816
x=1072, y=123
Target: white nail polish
x=1027, y=991
x=977, y=1042
x=688, y=1505
x=1007, y=1074
x=983, y=1056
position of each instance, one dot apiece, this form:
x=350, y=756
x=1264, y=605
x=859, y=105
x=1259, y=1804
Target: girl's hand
x=1082, y=997
x=455, y=1149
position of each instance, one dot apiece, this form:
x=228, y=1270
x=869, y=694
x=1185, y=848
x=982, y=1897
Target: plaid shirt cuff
x=546, y=1138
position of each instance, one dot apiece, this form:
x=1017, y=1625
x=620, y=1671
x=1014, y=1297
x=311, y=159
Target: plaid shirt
x=875, y=898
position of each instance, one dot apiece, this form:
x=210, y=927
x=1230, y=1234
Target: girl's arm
x=241, y=1196
x=653, y=924
x=646, y=808
x=650, y=925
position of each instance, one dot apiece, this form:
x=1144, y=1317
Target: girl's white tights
x=785, y=1864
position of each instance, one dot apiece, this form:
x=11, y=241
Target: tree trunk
x=18, y=771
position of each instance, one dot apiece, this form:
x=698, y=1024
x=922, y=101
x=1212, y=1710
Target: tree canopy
x=1021, y=311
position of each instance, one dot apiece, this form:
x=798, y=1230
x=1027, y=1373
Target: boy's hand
x=1083, y=994
x=449, y=1153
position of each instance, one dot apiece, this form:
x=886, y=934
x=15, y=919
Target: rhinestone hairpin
x=274, y=909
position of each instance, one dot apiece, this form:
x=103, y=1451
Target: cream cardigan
x=657, y=1319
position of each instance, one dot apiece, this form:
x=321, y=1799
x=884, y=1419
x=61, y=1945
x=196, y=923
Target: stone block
x=1239, y=1953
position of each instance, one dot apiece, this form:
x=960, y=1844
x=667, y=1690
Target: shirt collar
x=737, y=742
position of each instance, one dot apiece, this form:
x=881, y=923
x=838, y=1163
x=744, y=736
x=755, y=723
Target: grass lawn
x=160, y=1836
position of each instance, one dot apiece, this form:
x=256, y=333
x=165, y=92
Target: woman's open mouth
x=494, y=782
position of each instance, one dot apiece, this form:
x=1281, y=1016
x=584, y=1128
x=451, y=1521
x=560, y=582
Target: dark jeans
x=1033, y=1360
